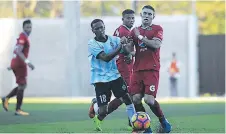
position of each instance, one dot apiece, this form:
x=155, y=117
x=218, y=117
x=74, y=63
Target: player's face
x=99, y=29
x=128, y=20
x=28, y=28
x=147, y=16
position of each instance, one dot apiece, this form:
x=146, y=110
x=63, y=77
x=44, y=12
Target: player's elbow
x=106, y=58
x=18, y=52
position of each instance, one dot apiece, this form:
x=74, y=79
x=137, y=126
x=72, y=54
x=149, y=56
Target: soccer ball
x=141, y=121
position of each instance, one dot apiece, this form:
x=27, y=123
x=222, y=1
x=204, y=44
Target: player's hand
x=9, y=68
x=129, y=39
x=128, y=58
x=136, y=31
x=32, y=67
x=123, y=40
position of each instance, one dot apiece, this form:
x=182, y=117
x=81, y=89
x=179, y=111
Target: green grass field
x=68, y=118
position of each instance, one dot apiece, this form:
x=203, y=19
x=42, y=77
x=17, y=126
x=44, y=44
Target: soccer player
x=124, y=62
x=147, y=39
x=105, y=76
x=19, y=67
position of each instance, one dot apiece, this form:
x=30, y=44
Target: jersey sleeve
x=116, y=33
x=21, y=40
x=159, y=33
x=94, y=48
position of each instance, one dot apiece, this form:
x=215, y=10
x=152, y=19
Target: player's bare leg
x=5, y=100
x=155, y=108
x=20, y=95
x=137, y=100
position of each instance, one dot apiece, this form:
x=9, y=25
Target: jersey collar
x=25, y=34
x=127, y=27
x=147, y=28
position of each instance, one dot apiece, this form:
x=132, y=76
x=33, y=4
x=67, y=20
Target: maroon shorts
x=126, y=71
x=144, y=82
x=20, y=74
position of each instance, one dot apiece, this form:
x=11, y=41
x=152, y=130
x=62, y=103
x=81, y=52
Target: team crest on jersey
x=112, y=45
x=141, y=44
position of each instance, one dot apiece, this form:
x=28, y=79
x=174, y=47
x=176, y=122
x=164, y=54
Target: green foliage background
x=211, y=14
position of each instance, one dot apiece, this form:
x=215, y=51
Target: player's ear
x=122, y=19
x=141, y=14
x=154, y=15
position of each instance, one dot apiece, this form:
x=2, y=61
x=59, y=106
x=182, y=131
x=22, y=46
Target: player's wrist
x=140, y=37
x=26, y=61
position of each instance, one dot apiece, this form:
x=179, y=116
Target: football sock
x=139, y=107
x=157, y=111
x=12, y=93
x=130, y=110
x=20, y=95
x=112, y=106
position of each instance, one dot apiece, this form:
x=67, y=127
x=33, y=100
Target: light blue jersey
x=102, y=71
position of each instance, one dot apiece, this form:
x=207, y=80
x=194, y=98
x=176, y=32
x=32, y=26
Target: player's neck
x=25, y=33
x=102, y=39
x=129, y=28
x=146, y=25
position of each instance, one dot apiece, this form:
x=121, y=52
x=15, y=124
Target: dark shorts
x=105, y=89
x=144, y=82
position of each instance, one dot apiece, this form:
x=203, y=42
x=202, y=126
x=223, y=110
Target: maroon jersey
x=121, y=31
x=147, y=58
x=22, y=40
x=124, y=68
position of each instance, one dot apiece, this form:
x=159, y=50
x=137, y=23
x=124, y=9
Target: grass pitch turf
x=73, y=118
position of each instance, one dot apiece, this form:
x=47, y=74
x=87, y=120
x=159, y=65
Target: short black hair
x=26, y=22
x=148, y=7
x=95, y=21
x=128, y=11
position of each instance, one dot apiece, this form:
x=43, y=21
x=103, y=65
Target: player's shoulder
x=157, y=27
x=113, y=37
x=91, y=42
x=22, y=35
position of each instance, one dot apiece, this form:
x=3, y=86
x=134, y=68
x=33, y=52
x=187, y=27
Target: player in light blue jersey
x=105, y=76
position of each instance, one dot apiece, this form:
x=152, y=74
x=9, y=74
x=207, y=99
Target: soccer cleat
x=149, y=130
x=5, y=103
x=20, y=112
x=166, y=126
x=97, y=123
x=91, y=108
x=129, y=128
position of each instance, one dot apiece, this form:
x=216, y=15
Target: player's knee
x=102, y=110
x=126, y=99
x=22, y=86
x=137, y=98
x=149, y=99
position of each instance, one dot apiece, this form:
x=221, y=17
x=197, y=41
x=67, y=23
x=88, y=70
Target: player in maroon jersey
x=125, y=68
x=125, y=61
x=147, y=39
x=19, y=67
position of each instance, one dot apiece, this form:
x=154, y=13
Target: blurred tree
x=211, y=14
x=6, y=9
